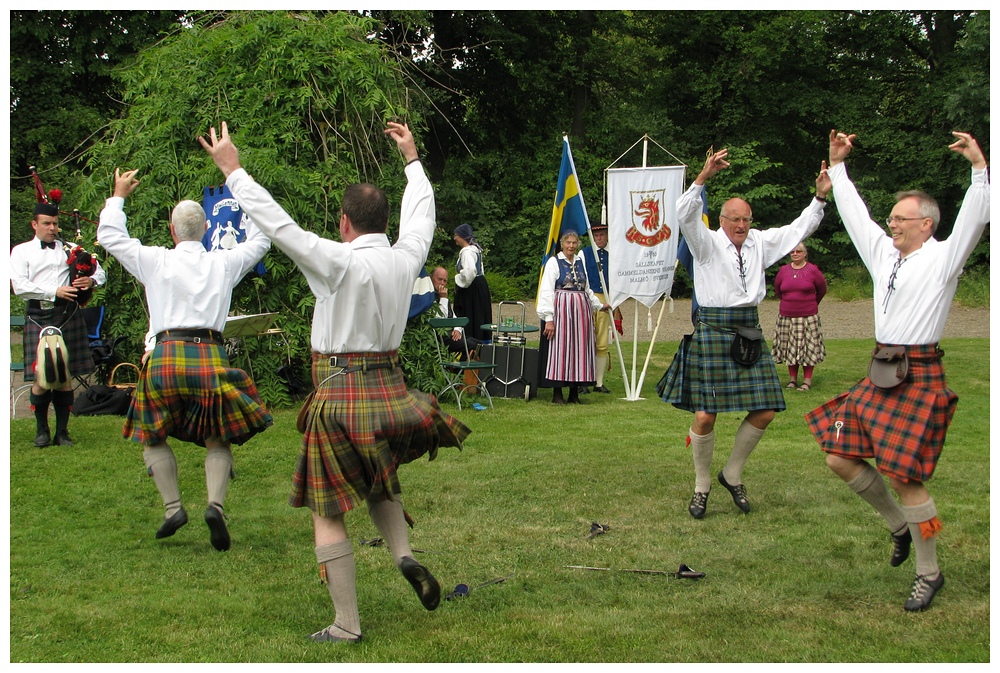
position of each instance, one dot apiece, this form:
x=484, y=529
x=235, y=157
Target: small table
x=510, y=332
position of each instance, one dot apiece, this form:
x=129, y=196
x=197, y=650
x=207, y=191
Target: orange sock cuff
x=930, y=528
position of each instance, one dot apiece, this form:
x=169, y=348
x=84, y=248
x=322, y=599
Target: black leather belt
x=347, y=368
x=193, y=335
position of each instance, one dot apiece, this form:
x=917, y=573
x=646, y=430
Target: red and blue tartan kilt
x=359, y=429
x=704, y=377
x=798, y=340
x=70, y=322
x=188, y=391
x=902, y=428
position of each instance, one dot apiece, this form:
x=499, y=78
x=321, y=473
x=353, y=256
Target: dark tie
x=51, y=245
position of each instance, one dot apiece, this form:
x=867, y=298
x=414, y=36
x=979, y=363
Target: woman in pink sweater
x=798, y=337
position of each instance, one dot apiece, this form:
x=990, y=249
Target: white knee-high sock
x=702, y=447
x=924, y=525
x=387, y=515
x=338, y=559
x=600, y=366
x=872, y=489
x=218, y=470
x=747, y=437
x=161, y=465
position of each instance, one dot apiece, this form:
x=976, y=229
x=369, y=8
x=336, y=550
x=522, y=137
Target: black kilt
x=68, y=318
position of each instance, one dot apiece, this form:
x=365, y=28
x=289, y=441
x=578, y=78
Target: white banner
x=642, y=232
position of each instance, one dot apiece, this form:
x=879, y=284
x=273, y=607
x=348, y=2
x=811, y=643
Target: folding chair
x=17, y=368
x=453, y=370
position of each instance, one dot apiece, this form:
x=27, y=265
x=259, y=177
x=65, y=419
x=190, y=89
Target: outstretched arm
x=823, y=182
x=404, y=140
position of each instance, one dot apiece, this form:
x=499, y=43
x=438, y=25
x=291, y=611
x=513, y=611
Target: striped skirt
x=360, y=428
x=902, y=428
x=69, y=320
x=571, y=350
x=799, y=341
x=189, y=392
x=704, y=377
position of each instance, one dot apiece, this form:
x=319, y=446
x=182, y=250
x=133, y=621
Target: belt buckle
x=196, y=339
x=335, y=362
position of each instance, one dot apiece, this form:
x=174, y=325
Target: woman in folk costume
x=565, y=310
x=56, y=345
x=472, y=294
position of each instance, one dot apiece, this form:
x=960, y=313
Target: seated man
x=439, y=277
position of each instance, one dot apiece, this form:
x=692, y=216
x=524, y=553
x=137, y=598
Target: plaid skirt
x=70, y=322
x=360, y=428
x=570, y=353
x=902, y=428
x=704, y=377
x=189, y=392
x=799, y=341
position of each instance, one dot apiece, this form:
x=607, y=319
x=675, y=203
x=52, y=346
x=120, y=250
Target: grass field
x=803, y=578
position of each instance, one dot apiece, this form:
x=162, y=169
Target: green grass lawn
x=803, y=578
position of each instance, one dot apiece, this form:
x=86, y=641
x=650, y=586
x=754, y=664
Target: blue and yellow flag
x=568, y=211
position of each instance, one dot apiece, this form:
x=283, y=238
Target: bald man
x=726, y=365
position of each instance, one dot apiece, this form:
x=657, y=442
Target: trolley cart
x=509, y=331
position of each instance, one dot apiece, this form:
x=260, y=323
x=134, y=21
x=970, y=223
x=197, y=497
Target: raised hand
x=713, y=164
x=840, y=146
x=967, y=146
x=125, y=183
x=222, y=150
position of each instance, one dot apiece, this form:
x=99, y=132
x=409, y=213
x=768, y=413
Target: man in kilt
x=187, y=389
x=704, y=377
x=362, y=423
x=902, y=428
x=41, y=276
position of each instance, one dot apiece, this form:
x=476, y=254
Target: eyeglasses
x=744, y=220
x=800, y=252
x=896, y=218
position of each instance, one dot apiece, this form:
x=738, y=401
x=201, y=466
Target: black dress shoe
x=217, y=526
x=427, y=588
x=901, y=547
x=173, y=524
x=923, y=592
x=43, y=438
x=583, y=390
x=739, y=493
x=62, y=438
x=601, y=389
x=698, y=503
x=325, y=636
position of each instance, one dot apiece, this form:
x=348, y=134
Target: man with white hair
x=187, y=389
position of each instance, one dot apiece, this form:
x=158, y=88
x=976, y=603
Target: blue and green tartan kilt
x=704, y=377
x=189, y=392
x=359, y=429
x=69, y=320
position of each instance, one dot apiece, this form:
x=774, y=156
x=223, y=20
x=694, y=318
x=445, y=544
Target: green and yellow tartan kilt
x=189, y=392
x=704, y=377
x=359, y=429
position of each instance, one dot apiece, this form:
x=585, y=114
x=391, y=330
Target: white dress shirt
x=362, y=288
x=547, y=289
x=36, y=272
x=719, y=281
x=923, y=283
x=187, y=287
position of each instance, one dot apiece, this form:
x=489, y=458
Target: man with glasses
x=901, y=422
x=725, y=365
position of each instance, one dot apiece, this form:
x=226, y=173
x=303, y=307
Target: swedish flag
x=568, y=211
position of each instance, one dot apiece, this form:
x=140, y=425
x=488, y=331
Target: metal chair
x=102, y=352
x=17, y=368
x=454, y=370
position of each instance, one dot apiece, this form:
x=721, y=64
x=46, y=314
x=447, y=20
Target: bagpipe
x=81, y=262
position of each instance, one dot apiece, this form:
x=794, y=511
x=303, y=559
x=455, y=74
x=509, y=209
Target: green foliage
x=852, y=283
x=974, y=288
x=418, y=355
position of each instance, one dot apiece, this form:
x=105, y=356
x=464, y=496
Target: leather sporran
x=889, y=366
x=746, y=347
x=300, y=420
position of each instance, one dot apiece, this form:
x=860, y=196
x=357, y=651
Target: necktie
x=51, y=245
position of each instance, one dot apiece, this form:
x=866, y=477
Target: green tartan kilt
x=704, y=377
x=359, y=428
